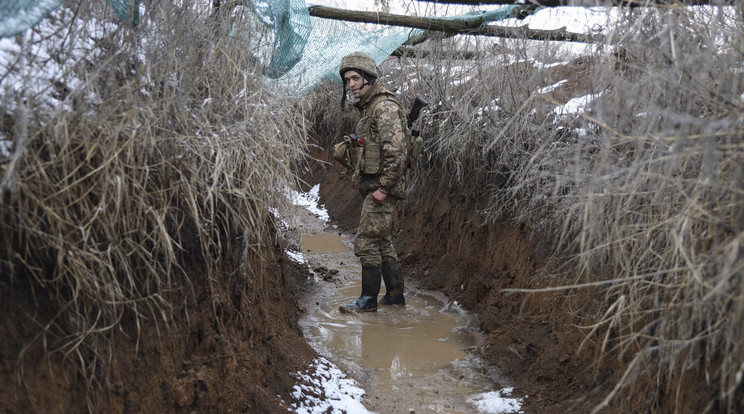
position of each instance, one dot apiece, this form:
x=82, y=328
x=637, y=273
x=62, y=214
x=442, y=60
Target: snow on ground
x=575, y=105
x=553, y=87
x=496, y=402
x=296, y=256
x=573, y=19
x=310, y=200
x=325, y=389
x=5, y=146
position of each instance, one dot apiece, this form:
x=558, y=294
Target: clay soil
x=232, y=345
x=233, y=341
x=532, y=338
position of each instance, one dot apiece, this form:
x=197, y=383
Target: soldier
x=376, y=155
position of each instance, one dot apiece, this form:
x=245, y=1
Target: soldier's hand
x=379, y=197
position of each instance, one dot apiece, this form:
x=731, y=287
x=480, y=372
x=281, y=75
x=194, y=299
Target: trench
x=423, y=357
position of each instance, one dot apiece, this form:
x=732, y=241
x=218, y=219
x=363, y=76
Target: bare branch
x=587, y=3
x=451, y=26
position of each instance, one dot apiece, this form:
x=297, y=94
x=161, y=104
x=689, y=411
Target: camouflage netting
x=306, y=50
x=330, y=40
x=16, y=16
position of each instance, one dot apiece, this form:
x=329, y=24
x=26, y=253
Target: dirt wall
x=231, y=346
x=533, y=339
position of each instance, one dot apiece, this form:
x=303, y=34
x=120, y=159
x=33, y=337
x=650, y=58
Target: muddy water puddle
x=419, y=358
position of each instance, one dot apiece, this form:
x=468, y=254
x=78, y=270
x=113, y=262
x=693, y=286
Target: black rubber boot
x=393, y=284
x=367, y=302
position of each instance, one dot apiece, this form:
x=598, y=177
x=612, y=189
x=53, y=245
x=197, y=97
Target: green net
x=127, y=10
x=329, y=40
x=16, y=16
x=290, y=22
x=306, y=50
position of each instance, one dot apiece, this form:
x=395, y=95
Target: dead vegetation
x=639, y=193
x=155, y=148
x=164, y=146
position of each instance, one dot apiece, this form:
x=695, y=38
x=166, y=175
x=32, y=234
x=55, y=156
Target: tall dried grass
x=644, y=189
x=662, y=206
x=168, y=146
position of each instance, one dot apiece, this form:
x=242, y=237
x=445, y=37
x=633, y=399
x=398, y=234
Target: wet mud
x=532, y=340
x=422, y=357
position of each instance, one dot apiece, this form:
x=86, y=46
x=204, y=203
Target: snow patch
x=495, y=402
x=325, y=389
x=551, y=88
x=310, y=200
x=296, y=256
x=575, y=105
x=5, y=146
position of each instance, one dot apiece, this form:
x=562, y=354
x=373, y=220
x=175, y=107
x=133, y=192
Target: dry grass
x=644, y=190
x=173, y=145
x=169, y=148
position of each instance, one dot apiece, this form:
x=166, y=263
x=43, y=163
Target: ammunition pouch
x=371, y=159
x=355, y=159
x=348, y=156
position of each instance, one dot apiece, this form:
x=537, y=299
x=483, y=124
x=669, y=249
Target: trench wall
x=538, y=340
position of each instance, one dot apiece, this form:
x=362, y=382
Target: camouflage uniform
x=387, y=128
x=377, y=156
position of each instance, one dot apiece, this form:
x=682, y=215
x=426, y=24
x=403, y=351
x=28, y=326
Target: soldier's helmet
x=359, y=61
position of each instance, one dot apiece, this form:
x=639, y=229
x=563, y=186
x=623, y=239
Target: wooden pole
x=587, y=3
x=452, y=26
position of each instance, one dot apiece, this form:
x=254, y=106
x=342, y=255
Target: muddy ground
x=234, y=340
x=421, y=358
x=532, y=340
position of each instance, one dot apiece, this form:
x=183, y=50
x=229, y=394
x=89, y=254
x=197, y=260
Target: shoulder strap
x=379, y=98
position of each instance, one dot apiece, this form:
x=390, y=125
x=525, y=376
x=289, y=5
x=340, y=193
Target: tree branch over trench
x=588, y=3
x=452, y=26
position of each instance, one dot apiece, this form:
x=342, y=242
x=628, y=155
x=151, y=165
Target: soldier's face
x=355, y=82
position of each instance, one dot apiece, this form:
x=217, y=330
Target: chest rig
x=367, y=157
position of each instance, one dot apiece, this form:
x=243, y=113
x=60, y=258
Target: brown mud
x=234, y=341
x=232, y=346
x=535, y=340
x=531, y=339
x=422, y=357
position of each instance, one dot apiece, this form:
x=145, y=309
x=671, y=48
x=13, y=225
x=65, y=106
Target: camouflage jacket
x=387, y=127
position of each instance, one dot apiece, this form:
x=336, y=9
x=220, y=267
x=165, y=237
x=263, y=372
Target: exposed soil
x=231, y=347
x=531, y=339
x=234, y=341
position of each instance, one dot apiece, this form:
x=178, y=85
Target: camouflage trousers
x=373, y=241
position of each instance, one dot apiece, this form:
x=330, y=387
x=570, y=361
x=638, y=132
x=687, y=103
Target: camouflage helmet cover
x=358, y=61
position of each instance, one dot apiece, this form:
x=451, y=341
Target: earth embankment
x=532, y=338
x=230, y=345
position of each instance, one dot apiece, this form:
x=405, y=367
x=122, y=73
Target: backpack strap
x=380, y=98
x=411, y=144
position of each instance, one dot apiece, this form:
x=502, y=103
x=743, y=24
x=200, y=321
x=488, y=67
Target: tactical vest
x=368, y=158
